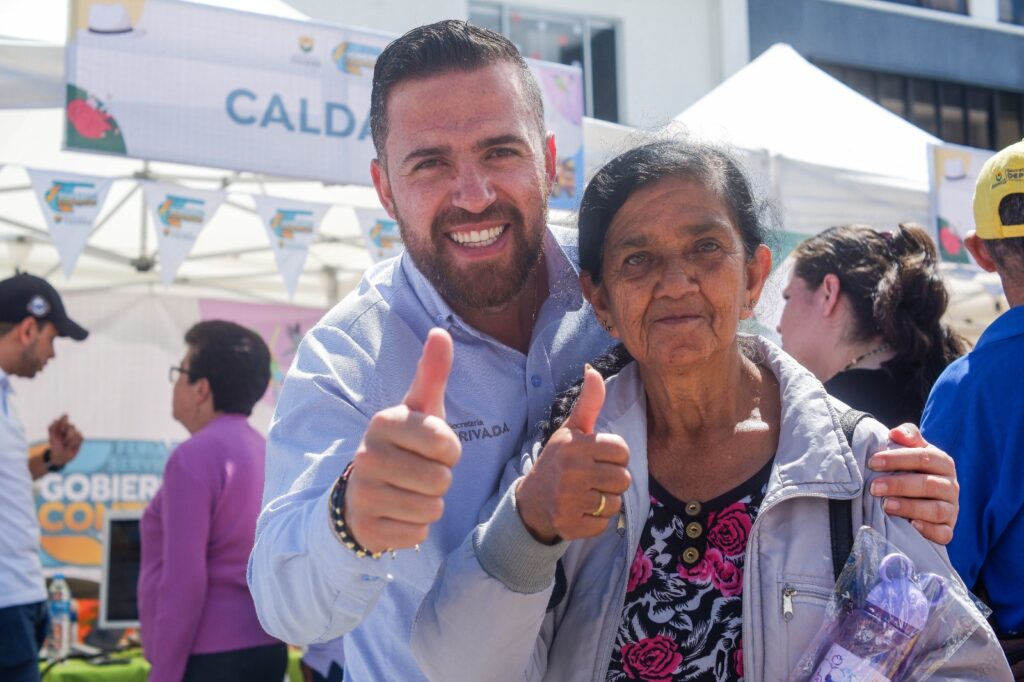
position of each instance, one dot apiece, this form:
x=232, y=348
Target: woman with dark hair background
x=198, y=620
x=864, y=312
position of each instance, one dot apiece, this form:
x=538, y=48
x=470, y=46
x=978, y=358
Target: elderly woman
x=700, y=474
x=864, y=313
x=198, y=620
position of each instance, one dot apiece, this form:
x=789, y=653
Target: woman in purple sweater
x=197, y=617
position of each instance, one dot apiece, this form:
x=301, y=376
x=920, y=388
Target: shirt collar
x=1007, y=325
x=563, y=282
x=5, y=383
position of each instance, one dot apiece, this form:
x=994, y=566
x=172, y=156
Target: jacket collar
x=813, y=457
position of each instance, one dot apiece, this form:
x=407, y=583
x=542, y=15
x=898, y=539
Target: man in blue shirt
x=465, y=165
x=976, y=408
x=31, y=316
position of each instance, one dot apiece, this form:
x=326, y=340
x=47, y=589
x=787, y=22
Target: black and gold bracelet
x=48, y=461
x=336, y=511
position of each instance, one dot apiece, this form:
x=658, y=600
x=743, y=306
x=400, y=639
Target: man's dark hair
x=445, y=46
x=1008, y=253
x=6, y=327
x=235, y=361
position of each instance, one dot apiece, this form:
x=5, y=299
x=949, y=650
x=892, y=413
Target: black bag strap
x=840, y=512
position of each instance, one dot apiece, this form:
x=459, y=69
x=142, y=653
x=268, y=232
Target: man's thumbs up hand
x=426, y=394
x=403, y=467
x=579, y=477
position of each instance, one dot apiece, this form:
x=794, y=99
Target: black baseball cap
x=26, y=295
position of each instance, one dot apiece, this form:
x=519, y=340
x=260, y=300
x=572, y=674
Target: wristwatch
x=48, y=461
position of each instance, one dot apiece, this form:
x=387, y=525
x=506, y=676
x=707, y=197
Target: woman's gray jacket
x=487, y=617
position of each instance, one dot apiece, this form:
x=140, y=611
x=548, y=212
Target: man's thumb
x=426, y=393
x=589, y=403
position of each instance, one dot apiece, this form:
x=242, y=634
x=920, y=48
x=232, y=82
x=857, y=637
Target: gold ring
x=600, y=506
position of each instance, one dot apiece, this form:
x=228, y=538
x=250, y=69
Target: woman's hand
x=923, y=488
x=577, y=482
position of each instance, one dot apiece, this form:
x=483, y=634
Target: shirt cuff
x=335, y=559
x=509, y=553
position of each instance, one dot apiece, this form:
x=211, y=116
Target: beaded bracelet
x=336, y=512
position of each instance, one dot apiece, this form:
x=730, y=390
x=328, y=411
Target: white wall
x=670, y=52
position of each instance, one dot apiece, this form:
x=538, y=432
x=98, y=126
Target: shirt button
x=439, y=319
x=694, y=529
x=690, y=555
x=692, y=508
x=535, y=380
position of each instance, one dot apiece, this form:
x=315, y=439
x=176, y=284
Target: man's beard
x=478, y=285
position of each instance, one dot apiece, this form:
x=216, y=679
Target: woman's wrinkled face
x=675, y=277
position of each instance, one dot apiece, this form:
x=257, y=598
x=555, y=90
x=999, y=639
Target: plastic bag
x=886, y=623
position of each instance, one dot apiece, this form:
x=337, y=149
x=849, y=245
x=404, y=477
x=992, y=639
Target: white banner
x=189, y=83
x=184, y=82
x=381, y=233
x=70, y=204
x=291, y=227
x=954, y=172
x=179, y=215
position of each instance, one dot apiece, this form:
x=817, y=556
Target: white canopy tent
x=830, y=156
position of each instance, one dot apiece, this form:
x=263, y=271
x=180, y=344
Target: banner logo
x=355, y=58
x=64, y=198
x=306, y=43
x=385, y=235
x=287, y=224
x=174, y=211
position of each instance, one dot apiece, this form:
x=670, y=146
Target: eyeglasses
x=173, y=372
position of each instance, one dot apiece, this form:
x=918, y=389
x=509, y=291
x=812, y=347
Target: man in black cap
x=31, y=316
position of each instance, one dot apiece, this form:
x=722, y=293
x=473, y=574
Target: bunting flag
x=291, y=227
x=179, y=215
x=71, y=204
x=381, y=233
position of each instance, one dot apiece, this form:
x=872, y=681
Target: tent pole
x=143, y=234
x=111, y=212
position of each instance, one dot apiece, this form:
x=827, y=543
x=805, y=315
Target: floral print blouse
x=683, y=616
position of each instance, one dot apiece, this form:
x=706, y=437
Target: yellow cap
x=1001, y=175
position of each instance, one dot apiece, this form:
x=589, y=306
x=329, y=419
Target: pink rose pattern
x=640, y=571
x=654, y=659
x=684, y=622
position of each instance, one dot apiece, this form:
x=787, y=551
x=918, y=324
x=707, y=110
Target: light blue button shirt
x=358, y=360
x=21, y=572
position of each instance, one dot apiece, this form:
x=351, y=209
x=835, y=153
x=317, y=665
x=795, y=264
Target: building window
x=587, y=42
x=978, y=117
x=1011, y=11
x=955, y=6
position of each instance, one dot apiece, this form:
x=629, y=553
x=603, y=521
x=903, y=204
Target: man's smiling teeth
x=477, y=238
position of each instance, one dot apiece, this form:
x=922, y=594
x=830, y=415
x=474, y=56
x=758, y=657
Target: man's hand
x=403, y=467
x=65, y=441
x=924, y=490
x=577, y=474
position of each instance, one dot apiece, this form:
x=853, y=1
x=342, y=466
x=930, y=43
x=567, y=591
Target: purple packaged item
x=873, y=641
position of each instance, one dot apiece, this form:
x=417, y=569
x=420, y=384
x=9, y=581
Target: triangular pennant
x=70, y=203
x=179, y=215
x=383, y=238
x=291, y=227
